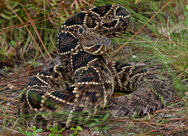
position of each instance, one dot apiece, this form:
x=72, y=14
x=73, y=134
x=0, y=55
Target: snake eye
x=80, y=30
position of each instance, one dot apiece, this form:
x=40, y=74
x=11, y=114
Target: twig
x=36, y=31
x=28, y=32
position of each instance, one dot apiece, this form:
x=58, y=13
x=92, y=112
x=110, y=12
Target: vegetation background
x=159, y=32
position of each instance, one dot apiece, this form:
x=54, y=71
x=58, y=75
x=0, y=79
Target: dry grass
x=171, y=50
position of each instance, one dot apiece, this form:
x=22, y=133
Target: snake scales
x=84, y=79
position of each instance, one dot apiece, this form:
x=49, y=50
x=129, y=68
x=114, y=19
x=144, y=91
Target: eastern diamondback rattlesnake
x=85, y=79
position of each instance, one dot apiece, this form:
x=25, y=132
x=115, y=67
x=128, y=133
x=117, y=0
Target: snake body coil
x=85, y=80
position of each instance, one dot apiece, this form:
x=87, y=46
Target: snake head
x=93, y=42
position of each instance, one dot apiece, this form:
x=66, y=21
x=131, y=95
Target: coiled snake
x=84, y=79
